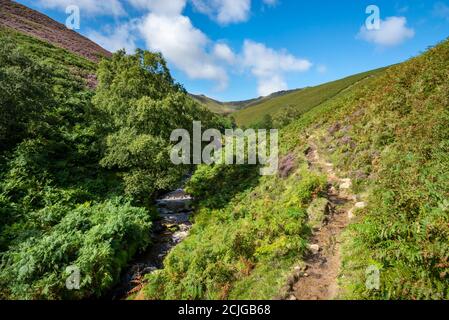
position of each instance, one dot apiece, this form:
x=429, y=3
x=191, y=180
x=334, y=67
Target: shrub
x=98, y=239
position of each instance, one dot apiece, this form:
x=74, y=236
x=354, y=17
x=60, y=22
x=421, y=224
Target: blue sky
x=240, y=49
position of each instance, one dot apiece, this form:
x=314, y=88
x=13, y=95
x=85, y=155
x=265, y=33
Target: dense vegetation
x=247, y=234
x=388, y=133
x=401, y=135
x=79, y=166
x=145, y=106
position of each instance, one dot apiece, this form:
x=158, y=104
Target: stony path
x=318, y=281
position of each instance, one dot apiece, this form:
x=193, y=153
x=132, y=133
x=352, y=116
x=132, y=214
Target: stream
x=172, y=227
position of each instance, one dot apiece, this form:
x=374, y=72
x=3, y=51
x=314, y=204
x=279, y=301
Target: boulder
x=175, y=205
x=345, y=184
x=351, y=214
x=360, y=205
x=357, y=206
x=314, y=248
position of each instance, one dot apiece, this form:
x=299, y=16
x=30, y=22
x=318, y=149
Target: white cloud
x=184, y=46
x=224, y=11
x=165, y=29
x=224, y=53
x=90, y=7
x=265, y=61
x=270, y=85
x=114, y=39
x=269, y=66
x=393, y=31
x=165, y=7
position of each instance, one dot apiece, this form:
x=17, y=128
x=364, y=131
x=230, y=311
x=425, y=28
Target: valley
x=357, y=210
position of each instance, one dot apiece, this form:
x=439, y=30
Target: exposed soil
x=318, y=280
x=23, y=19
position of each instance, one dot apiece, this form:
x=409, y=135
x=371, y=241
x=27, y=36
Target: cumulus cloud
x=224, y=11
x=91, y=7
x=184, y=46
x=117, y=38
x=393, y=31
x=270, y=85
x=165, y=29
x=269, y=66
x=224, y=53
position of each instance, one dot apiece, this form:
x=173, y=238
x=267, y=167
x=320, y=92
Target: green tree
x=145, y=105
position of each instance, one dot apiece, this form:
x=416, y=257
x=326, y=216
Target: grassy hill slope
x=19, y=17
x=217, y=106
x=389, y=134
x=301, y=100
x=233, y=106
x=78, y=66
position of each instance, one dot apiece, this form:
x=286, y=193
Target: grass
x=217, y=106
x=301, y=100
x=53, y=55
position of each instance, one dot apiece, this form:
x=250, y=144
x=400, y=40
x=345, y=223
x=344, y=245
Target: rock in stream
x=172, y=227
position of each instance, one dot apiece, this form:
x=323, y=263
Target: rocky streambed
x=172, y=227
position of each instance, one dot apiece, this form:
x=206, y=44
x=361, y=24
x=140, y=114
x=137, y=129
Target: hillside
x=217, y=106
x=21, y=18
x=233, y=106
x=363, y=185
x=77, y=65
x=296, y=102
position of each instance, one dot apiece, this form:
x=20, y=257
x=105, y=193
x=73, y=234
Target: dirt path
x=319, y=280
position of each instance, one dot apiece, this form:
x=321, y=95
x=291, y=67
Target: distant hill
x=300, y=100
x=216, y=106
x=233, y=106
x=31, y=22
x=250, y=112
